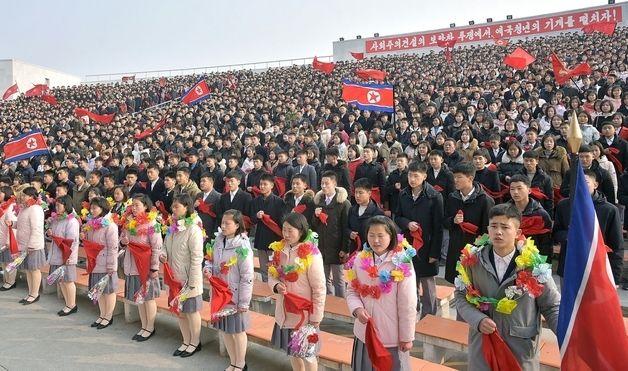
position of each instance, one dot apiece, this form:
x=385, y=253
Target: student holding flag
x=8, y=218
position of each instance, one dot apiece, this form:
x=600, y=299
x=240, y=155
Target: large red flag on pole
x=10, y=91
x=603, y=27
x=103, y=119
x=562, y=74
x=326, y=67
x=519, y=59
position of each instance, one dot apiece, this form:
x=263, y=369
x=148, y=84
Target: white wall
x=26, y=75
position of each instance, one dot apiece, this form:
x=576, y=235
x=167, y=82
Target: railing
x=255, y=66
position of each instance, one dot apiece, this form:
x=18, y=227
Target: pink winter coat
x=8, y=216
x=107, y=259
x=154, y=240
x=68, y=229
x=30, y=228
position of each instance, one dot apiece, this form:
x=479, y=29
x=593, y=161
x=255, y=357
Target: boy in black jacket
x=359, y=213
x=396, y=182
x=300, y=199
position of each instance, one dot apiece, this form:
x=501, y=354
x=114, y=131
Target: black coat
x=356, y=223
x=374, y=172
x=622, y=194
x=444, y=180
x=333, y=236
x=452, y=160
x=196, y=171
x=241, y=202
x=543, y=182
x=209, y=224
x=307, y=200
x=391, y=193
x=542, y=241
x=610, y=227
x=475, y=210
x=253, y=179
x=427, y=211
x=276, y=208
x=622, y=146
x=509, y=167
x=605, y=183
x=488, y=179
x=342, y=175
x=166, y=198
x=496, y=158
x=219, y=178
x=157, y=192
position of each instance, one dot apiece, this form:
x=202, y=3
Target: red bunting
x=323, y=217
x=300, y=208
x=519, y=59
x=148, y=132
x=36, y=91
x=13, y=249
x=497, y=354
x=174, y=287
x=10, y=91
x=103, y=119
x=417, y=238
x=296, y=304
x=533, y=226
x=272, y=225
x=65, y=245
x=380, y=357
x=370, y=74
x=603, y=27
x=536, y=193
x=91, y=250
x=280, y=184
x=562, y=74
x=206, y=208
x=326, y=67
x=221, y=294
x=141, y=255
x=50, y=99
x=358, y=56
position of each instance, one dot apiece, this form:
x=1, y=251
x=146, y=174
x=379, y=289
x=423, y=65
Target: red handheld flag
x=417, y=238
x=221, y=294
x=65, y=245
x=603, y=27
x=358, y=242
x=272, y=225
x=438, y=188
x=92, y=249
x=247, y=222
x=128, y=78
x=197, y=93
x=497, y=354
x=162, y=82
x=501, y=42
x=612, y=155
x=103, y=119
x=13, y=249
x=380, y=357
x=256, y=191
x=148, y=132
x=36, y=91
x=538, y=194
x=376, y=196
x=358, y=56
x=206, y=208
x=300, y=208
x=10, y=91
x=469, y=228
x=141, y=255
x=280, y=183
x=323, y=217
x=370, y=74
x=353, y=166
x=162, y=210
x=446, y=43
x=174, y=286
x=562, y=74
x=326, y=67
x=519, y=59
x=296, y=304
x=533, y=226
x=50, y=99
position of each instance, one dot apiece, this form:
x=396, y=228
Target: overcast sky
x=91, y=37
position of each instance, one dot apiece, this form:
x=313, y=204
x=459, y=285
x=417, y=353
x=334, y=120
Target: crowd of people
x=277, y=155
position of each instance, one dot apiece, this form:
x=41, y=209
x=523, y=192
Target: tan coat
x=467, y=153
x=556, y=165
x=184, y=252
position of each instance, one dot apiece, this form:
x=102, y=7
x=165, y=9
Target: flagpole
x=574, y=138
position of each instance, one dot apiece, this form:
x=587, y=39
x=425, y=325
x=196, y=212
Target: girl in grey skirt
x=7, y=221
x=230, y=259
x=140, y=229
x=64, y=224
x=30, y=238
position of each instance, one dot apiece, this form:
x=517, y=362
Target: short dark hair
x=417, y=167
x=329, y=174
x=67, y=203
x=234, y=174
x=299, y=222
x=237, y=217
x=30, y=191
x=363, y=183
x=171, y=175
x=531, y=154
x=7, y=191
x=508, y=210
x=185, y=200
x=102, y=203
x=300, y=177
x=521, y=178
x=267, y=178
x=436, y=152
x=482, y=152
x=464, y=168
x=389, y=225
x=332, y=151
x=185, y=170
x=81, y=173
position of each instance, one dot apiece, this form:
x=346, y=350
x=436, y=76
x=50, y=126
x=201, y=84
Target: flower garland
x=181, y=224
x=532, y=273
x=305, y=256
x=401, y=259
x=144, y=224
x=55, y=217
x=241, y=254
x=4, y=206
x=32, y=202
x=94, y=224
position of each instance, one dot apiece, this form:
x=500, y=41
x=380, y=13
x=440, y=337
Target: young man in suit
x=132, y=186
x=170, y=183
x=155, y=187
x=300, y=199
x=361, y=212
x=234, y=197
x=307, y=170
x=209, y=197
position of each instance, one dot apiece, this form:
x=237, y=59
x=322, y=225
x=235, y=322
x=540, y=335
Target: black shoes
x=179, y=352
x=96, y=323
x=101, y=326
x=137, y=336
x=8, y=288
x=142, y=338
x=29, y=302
x=186, y=354
x=63, y=313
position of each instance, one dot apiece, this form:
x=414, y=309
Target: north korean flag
x=26, y=146
x=197, y=93
x=373, y=97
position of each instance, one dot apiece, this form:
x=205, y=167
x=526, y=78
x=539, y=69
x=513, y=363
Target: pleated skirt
x=192, y=304
x=34, y=260
x=234, y=323
x=5, y=256
x=112, y=285
x=132, y=285
x=360, y=358
x=69, y=275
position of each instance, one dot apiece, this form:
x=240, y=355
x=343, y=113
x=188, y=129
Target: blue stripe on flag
x=368, y=85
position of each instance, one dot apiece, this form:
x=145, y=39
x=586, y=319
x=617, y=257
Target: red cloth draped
x=612, y=155
x=323, y=217
x=65, y=245
x=91, y=250
x=533, y=225
x=256, y=191
x=300, y=208
x=296, y=304
x=272, y=225
x=538, y=194
x=438, y=188
x=353, y=166
x=5, y=205
x=469, y=228
x=221, y=294
x=557, y=195
x=13, y=242
x=358, y=242
x=376, y=195
x=380, y=357
x=493, y=194
x=206, y=208
x=497, y=354
x=141, y=255
x=162, y=210
x=417, y=238
x=148, y=132
x=519, y=59
x=103, y=119
x=174, y=286
x=280, y=183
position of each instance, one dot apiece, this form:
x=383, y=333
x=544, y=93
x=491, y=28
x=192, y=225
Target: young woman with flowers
x=183, y=254
x=503, y=286
x=296, y=273
x=230, y=259
x=30, y=240
x=382, y=293
x=64, y=227
x=141, y=238
x=100, y=239
x=8, y=218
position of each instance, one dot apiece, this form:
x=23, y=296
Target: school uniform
x=107, y=258
x=240, y=201
x=68, y=228
x=211, y=199
x=275, y=207
x=29, y=234
x=156, y=190
x=356, y=221
x=132, y=282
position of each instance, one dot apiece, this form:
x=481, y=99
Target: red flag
x=300, y=208
x=50, y=99
x=446, y=43
x=206, y=208
x=358, y=242
x=221, y=294
x=358, y=56
x=162, y=82
x=417, y=238
x=162, y=210
x=562, y=74
x=103, y=119
x=370, y=74
x=174, y=287
x=438, y=188
x=231, y=82
x=26, y=146
x=326, y=67
x=538, y=194
x=448, y=56
x=36, y=91
x=469, y=228
x=519, y=59
x=272, y=225
x=280, y=184
x=380, y=357
x=376, y=195
x=91, y=250
x=497, y=354
x=353, y=166
x=197, y=93
x=141, y=255
x=13, y=242
x=500, y=41
x=603, y=27
x=256, y=191
x=128, y=78
x=10, y=91
x=247, y=222
x=65, y=245
x=296, y=304
x=533, y=226
x=612, y=155
x=148, y=132
x=323, y=217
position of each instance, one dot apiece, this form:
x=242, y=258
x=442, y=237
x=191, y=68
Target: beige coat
x=107, y=259
x=184, y=252
x=30, y=228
